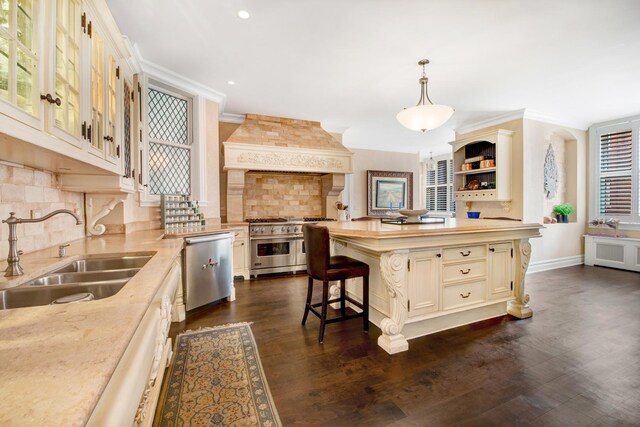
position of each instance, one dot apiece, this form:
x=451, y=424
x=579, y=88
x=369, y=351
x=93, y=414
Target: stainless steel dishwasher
x=208, y=269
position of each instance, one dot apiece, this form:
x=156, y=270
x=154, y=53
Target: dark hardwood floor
x=575, y=363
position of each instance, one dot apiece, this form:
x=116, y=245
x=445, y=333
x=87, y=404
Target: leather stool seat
x=342, y=267
x=322, y=266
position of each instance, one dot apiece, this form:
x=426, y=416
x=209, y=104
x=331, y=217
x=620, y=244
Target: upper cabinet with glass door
x=105, y=73
x=63, y=80
x=19, y=60
x=60, y=83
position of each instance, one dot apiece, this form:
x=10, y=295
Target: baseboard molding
x=551, y=264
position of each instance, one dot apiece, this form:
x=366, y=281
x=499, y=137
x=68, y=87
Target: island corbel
x=520, y=306
x=393, y=268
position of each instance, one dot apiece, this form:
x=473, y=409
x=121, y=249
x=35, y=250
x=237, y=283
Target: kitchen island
x=430, y=277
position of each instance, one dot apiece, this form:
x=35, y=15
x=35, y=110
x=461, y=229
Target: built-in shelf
x=494, y=144
x=472, y=171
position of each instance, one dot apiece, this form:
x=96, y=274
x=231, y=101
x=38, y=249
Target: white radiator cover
x=616, y=252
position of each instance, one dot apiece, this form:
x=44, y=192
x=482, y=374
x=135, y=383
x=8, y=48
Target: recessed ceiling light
x=230, y=82
x=243, y=14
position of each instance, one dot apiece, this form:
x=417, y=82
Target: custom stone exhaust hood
x=278, y=145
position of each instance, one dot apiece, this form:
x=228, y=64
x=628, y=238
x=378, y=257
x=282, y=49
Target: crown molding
x=496, y=120
x=523, y=113
x=541, y=117
x=231, y=118
x=134, y=58
x=159, y=72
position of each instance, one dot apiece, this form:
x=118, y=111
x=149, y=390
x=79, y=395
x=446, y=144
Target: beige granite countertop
x=56, y=360
x=375, y=229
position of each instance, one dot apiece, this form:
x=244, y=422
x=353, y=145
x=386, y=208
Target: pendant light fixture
x=426, y=115
x=431, y=164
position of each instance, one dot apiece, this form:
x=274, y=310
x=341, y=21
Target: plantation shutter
x=431, y=191
x=441, y=189
x=452, y=199
x=616, y=173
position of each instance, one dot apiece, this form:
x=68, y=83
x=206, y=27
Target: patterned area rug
x=216, y=379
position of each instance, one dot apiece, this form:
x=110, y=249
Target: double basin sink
x=83, y=279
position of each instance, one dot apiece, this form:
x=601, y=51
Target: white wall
x=558, y=240
x=355, y=193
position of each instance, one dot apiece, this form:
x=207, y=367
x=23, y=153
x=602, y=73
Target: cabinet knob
x=492, y=249
x=50, y=99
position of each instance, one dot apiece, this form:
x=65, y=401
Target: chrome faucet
x=13, y=260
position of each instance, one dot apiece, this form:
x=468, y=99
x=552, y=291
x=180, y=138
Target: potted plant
x=562, y=211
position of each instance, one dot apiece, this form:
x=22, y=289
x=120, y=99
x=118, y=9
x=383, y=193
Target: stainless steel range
x=277, y=245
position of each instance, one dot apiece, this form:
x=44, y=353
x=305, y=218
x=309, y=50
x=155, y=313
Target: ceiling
x=352, y=65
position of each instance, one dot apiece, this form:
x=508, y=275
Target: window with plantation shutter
x=615, y=159
x=616, y=173
x=439, y=187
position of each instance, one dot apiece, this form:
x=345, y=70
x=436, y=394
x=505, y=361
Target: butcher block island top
x=56, y=360
x=434, y=276
x=377, y=229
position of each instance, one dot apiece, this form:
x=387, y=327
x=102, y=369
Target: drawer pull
x=467, y=295
x=465, y=272
x=465, y=254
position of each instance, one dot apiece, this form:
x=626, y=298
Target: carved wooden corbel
x=98, y=229
x=520, y=307
x=393, y=268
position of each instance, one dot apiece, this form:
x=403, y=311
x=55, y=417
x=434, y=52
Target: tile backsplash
x=273, y=195
x=23, y=189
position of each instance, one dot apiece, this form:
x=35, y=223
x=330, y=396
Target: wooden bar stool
x=322, y=266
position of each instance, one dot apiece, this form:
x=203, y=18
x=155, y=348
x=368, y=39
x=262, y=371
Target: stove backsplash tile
x=268, y=195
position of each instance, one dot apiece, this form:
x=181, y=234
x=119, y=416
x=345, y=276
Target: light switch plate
x=36, y=213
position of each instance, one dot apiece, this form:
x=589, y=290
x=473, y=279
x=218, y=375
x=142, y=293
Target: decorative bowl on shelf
x=413, y=215
x=473, y=215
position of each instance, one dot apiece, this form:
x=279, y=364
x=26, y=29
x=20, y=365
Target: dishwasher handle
x=207, y=238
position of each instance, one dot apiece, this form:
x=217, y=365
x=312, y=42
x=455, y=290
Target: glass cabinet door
x=110, y=130
x=127, y=119
x=18, y=55
x=97, y=92
x=67, y=78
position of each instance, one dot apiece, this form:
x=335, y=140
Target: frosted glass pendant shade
x=424, y=117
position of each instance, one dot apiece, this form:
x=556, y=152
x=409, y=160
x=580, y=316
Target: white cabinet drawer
x=464, y=253
x=464, y=294
x=463, y=271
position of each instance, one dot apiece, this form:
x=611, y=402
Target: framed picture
x=388, y=191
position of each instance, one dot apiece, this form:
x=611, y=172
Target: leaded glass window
x=169, y=143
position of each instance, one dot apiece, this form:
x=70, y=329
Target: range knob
x=295, y=229
x=283, y=229
x=288, y=229
x=273, y=229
